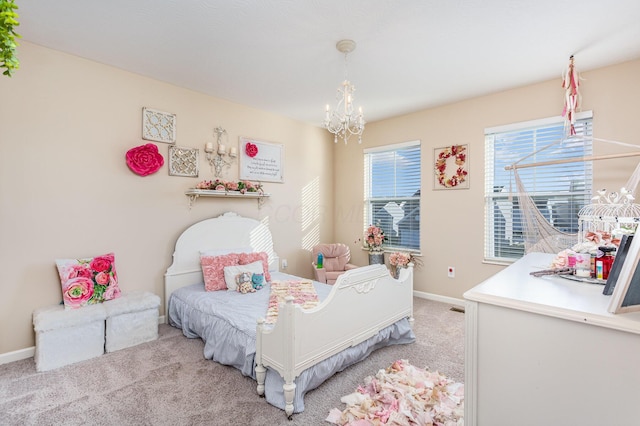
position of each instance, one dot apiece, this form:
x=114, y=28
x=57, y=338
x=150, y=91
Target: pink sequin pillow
x=213, y=270
x=247, y=258
x=88, y=281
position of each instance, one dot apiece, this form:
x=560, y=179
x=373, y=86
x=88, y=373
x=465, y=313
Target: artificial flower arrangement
x=242, y=186
x=399, y=260
x=374, y=238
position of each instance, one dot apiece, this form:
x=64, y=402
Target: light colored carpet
x=168, y=382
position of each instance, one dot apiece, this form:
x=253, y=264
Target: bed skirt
x=228, y=345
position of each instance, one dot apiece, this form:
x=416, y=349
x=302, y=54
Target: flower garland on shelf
x=242, y=186
x=460, y=175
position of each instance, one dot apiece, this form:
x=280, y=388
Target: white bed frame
x=362, y=302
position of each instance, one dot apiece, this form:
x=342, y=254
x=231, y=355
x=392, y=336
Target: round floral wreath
x=460, y=175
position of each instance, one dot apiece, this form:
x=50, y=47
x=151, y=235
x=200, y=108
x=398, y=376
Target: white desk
x=546, y=351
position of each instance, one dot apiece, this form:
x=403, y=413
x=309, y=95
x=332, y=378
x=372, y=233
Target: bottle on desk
x=605, y=262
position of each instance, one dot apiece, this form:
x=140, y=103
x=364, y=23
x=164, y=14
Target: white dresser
x=545, y=351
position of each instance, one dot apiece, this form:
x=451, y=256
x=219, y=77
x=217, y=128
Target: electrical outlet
x=284, y=264
x=451, y=272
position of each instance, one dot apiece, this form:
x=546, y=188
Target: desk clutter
x=66, y=336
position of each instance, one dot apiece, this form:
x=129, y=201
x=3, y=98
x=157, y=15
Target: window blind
x=392, y=193
x=559, y=191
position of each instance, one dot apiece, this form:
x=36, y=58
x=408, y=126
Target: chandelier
x=341, y=121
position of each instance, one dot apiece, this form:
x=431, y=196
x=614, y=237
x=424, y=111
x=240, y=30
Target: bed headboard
x=227, y=231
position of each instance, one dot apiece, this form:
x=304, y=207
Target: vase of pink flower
x=399, y=260
x=373, y=239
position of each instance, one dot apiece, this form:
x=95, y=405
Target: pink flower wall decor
x=251, y=149
x=144, y=159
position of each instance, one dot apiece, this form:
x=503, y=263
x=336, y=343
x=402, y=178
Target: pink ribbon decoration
x=570, y=83
x=144, y=159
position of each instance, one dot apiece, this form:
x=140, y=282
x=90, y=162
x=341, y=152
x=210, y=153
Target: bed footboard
x=362, y=302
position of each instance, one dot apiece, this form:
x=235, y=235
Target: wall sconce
x=220, y=157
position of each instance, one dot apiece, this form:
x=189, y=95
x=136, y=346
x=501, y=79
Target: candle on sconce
x=233, y=152
x=208, y=147
x=222, y=149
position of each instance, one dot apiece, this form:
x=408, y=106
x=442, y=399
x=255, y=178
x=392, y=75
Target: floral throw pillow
x=246, y=258
x=213, y=270
x=88, y=281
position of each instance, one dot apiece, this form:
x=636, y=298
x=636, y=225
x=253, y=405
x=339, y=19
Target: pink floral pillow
x=246, y=258
x=213, y=270
x=88, y=281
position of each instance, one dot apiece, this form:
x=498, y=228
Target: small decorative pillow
x=213, y=270
x=231, y=272
x=246, y=258
x=88, y=281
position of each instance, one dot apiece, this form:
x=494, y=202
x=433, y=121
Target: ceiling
x=280, y=56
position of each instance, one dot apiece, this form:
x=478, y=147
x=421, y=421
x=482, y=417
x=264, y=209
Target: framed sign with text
x=261, y=161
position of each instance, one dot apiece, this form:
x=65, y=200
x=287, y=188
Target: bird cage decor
x=614, y=213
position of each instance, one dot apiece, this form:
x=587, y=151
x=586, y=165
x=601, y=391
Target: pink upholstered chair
x=336, y=262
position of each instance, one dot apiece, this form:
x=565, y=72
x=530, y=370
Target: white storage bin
x=131, y=319
x=68, y=336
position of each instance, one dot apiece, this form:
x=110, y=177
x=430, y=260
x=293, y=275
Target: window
x=559, y=191
x=392, y=193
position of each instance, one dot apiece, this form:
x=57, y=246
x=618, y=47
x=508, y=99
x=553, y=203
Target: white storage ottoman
x=131, y=319
x=67, y=336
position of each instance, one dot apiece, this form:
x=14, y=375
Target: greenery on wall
x=8, y=21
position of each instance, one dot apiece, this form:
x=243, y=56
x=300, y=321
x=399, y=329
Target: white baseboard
x=21, y=354
x=438, y=298
x=18, y=355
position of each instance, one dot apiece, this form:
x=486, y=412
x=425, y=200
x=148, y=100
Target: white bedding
x=226, y=322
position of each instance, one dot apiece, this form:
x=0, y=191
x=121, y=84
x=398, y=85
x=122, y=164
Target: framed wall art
x=183, y=161
x=261, y=161
x=158, y=126
x=451, y=167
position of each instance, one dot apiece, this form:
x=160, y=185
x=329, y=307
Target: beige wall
x=66, y=191
x=452, y=221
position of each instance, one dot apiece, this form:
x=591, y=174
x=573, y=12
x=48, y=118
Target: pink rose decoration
x=251, y=149
x=77, y=292
x=102, y=278
x=102, y=263
x=145, y=159
x=75, y=271
x=112, y=292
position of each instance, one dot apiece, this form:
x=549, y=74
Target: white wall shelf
x=193, y=195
